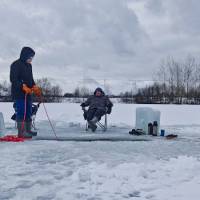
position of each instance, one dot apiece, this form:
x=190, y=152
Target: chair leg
x=106, y=122
x=33, y=123
x=86, y=126
x=102, y=126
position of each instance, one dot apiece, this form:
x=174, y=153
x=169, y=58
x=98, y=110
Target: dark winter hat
x=99, y=90
x=26, y=53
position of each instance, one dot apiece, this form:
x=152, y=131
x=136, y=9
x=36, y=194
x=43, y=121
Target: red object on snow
x=12, y=138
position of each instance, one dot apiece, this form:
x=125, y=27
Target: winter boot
x=22, y=130
x=92, y=124
x=28, y=126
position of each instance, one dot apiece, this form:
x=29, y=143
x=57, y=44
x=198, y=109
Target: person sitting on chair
x=99, y=105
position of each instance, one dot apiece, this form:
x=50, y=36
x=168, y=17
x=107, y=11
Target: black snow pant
x=91, y=113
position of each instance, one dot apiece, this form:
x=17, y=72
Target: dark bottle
x=150, y=129
x=155, y=128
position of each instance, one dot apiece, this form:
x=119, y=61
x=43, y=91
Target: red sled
x=12, y=138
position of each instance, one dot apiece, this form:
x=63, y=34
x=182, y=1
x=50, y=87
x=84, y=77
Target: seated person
x=99, y=105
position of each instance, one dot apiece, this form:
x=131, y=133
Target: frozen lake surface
x=159, y=169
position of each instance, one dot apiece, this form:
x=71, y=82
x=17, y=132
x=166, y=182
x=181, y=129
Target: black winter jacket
x=101, y=102
x=21, y=73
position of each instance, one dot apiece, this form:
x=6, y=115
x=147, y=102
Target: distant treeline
x=51, y=93
x=175, y=83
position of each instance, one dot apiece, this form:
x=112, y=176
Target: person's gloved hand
x=83, y=105
x=109, y=110
x=36, y=90
x=26, y=89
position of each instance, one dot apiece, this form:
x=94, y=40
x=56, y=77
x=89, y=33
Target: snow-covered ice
x=159, y=169
x=2, y=124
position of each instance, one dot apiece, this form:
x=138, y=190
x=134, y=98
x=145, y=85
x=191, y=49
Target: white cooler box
x=146, y=115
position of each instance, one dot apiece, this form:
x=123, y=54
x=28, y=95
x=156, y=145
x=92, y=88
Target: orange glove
x=36, y=90
x=26, y=89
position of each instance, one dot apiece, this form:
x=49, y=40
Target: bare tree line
x=175, y=82
x=51, y=92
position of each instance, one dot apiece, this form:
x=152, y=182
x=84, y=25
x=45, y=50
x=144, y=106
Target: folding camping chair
x=100, y=124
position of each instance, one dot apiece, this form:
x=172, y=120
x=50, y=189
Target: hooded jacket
x=98, y=102
x=21, y=73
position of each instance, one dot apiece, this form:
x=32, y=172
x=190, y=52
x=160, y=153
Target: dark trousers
x=91, y=113
x=20, y=109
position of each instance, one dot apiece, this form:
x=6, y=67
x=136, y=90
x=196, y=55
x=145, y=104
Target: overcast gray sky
x=98, y=39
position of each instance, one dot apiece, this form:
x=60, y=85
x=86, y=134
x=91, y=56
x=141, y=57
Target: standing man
x=22, y=87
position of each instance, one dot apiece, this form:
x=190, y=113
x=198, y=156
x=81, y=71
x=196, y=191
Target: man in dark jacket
x=23, y=85
x=99, y=105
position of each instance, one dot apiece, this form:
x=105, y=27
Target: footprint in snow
x=134, y=194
